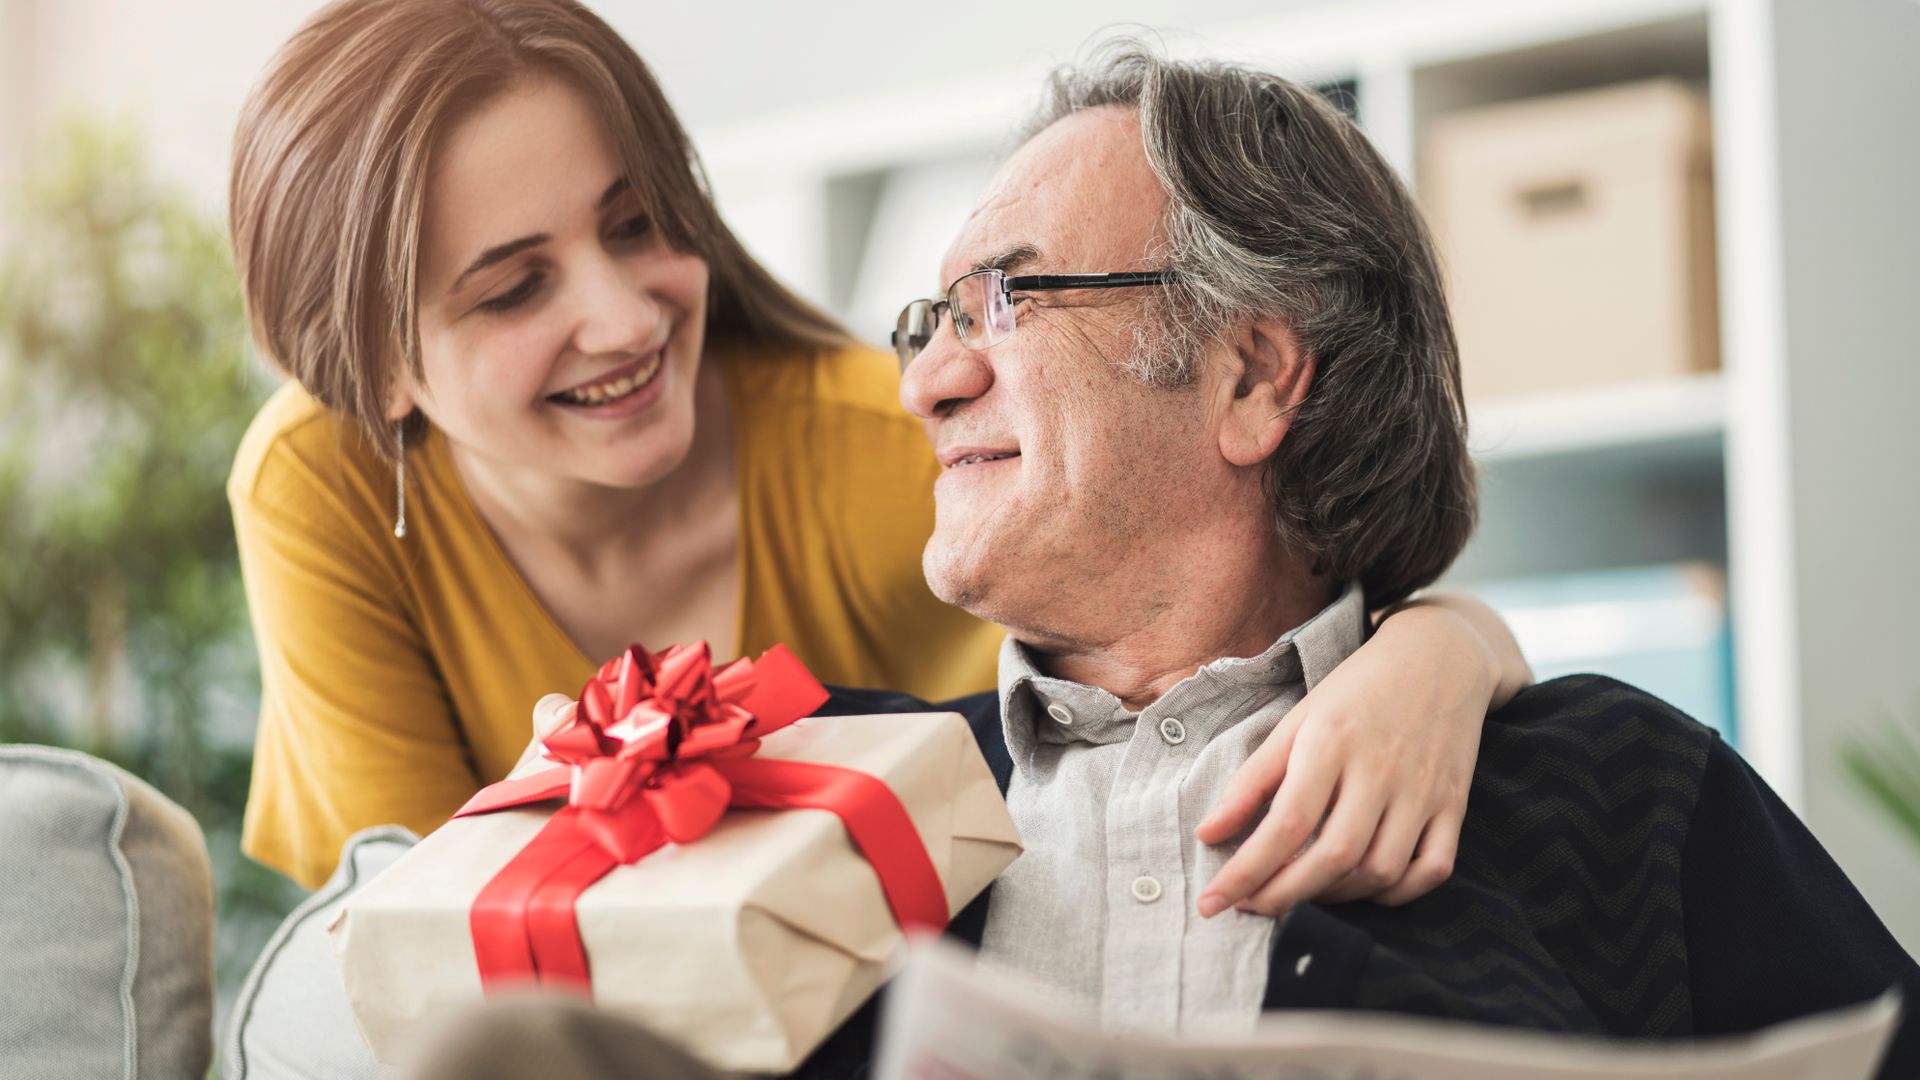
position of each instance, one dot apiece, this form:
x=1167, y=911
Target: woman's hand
x=549, y=713
x=1377, y=759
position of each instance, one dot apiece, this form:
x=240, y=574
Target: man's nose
x=944, y=375
x=617, y=311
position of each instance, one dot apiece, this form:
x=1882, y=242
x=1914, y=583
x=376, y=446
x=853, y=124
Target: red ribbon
x=658, y=749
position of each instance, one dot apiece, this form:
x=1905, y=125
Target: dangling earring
x=400, y=482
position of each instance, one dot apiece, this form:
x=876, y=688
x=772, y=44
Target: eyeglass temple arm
x=1039, y=282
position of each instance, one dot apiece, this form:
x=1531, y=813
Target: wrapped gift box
x=748, y=946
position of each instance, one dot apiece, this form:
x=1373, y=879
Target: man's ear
x=1273, y=377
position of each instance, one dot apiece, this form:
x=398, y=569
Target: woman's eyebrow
x=495, y=254
x=511, y=248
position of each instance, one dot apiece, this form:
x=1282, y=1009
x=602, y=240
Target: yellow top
x=397, y=676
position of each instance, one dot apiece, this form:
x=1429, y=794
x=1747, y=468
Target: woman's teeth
x=603, y=393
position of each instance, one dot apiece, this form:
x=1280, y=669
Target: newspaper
x=945, y=1020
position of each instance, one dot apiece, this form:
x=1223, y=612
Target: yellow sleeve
x=355, y=726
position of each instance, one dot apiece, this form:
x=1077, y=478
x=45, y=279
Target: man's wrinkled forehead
x=1077, y=198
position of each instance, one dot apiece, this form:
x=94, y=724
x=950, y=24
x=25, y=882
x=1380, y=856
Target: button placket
x=1141, y=954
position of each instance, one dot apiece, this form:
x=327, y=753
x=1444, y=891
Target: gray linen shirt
x=1101, y=906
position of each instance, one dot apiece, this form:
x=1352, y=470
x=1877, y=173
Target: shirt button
x=1060, y=713
x=1146, y=889
x=1173, y=731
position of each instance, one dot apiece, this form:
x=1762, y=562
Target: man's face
x=1066, y=480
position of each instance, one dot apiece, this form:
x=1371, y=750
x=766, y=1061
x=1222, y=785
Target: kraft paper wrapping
x=748, y=946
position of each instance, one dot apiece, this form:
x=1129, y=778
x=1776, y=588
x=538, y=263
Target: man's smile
x=969, y=456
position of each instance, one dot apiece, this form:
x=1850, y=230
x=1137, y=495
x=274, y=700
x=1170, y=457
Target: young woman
x=543, y=404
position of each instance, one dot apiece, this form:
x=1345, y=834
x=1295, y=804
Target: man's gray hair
x=1279, y=209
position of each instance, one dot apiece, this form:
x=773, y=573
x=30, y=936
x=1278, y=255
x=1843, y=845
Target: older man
x=1197, y=395
x=1174, y=489
x=1154, y=471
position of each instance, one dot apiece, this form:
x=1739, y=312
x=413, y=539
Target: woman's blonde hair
x=330, y=168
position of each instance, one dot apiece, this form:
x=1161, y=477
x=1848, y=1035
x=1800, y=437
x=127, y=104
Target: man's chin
x=955, y=579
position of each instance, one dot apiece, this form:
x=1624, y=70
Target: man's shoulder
x=1569, y=872
x=1601, y=708
x=1601, y=743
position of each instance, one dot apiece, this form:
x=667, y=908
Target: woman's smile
x=623, y=392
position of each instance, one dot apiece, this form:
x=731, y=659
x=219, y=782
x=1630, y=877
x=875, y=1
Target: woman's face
x=559, y=332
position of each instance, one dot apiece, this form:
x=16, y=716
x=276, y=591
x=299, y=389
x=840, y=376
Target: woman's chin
x=644, y=463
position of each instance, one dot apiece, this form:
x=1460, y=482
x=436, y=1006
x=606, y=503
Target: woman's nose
x=618, y=313
x=944, y=375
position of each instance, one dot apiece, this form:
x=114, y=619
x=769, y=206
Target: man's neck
x=1236, y=612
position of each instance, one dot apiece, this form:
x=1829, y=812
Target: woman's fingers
x=1297, y=812
x=1342, y=842
x=549, y=713
x=1432, y=862
x=1386, y=862
x=1252, y=785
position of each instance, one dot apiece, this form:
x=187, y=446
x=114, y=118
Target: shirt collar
x=1036, y=707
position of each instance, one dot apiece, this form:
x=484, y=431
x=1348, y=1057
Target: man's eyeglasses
x=981, y=305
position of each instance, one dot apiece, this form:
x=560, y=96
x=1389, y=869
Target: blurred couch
x=107, y=926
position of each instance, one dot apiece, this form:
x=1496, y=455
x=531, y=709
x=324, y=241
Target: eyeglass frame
x=1009, y=286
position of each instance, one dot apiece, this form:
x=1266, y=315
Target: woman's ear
x=400, y=400
x=1273, y=377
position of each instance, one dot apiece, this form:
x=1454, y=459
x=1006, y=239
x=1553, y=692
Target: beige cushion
x=292, y=1018
x=106, y=923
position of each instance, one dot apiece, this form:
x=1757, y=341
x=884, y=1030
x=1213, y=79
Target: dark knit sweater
x=1621, y=871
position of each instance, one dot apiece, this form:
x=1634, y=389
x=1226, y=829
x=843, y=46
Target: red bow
x=658, y=749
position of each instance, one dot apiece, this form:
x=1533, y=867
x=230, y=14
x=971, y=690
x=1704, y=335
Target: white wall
x=180, y=70
x=175, y=71
x=1846, y=83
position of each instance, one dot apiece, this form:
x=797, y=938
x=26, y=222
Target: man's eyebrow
x=1010, y=259
x=508, y=250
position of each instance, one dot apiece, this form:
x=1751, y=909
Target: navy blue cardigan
x=1621, y=871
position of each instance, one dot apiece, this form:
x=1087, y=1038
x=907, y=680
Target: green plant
x=124, y=389
x=1885, y=766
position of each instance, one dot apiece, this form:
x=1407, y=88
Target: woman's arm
x=1510, y=670
x=1372, y=767
x=355, y=727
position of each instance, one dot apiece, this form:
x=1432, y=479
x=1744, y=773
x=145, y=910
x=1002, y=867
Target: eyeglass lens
x=978, y=304
x=915, y=329
x=982, y=315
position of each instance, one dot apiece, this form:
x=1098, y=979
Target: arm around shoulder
x=1470, y=619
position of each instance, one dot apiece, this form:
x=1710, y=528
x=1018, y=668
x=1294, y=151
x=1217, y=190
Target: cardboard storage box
x=1576, y=234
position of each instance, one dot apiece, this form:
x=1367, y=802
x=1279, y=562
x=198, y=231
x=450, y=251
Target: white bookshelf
x=1686, y=411
x=1793, y=467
